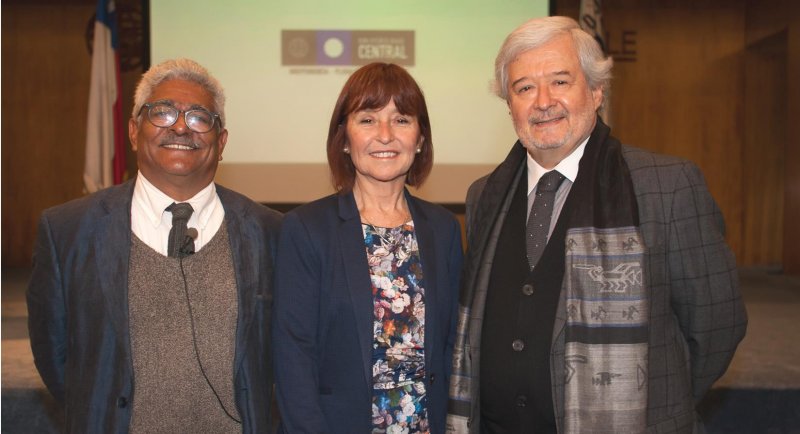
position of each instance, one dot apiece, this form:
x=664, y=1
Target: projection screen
x=283, y=62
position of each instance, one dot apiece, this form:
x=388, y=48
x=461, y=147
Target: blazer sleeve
x=473, y=196
x=455, y=261
x=294, y=329
x=47, y=322
x=704, y=280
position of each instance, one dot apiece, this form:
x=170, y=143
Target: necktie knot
x=180, y=244
x=180, y=211
x=550, y=181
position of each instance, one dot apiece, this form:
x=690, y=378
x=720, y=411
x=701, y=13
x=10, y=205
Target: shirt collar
x=567, y=167
x=154, y=202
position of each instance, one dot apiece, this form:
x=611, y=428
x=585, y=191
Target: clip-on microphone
x=187, y=247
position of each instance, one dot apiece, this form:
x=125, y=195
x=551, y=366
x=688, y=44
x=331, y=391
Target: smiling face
x=551, y=104
x=382, y=144
x=175, y=159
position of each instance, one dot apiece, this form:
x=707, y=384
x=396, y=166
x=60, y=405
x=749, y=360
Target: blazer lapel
x=356, y=269
x=245, y=258
x=112, y=244
x=428, y=255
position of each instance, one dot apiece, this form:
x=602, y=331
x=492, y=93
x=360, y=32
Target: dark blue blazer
x=78, y=308
x=323, y=315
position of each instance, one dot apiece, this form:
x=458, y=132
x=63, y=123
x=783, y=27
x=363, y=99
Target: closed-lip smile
x=544, y=121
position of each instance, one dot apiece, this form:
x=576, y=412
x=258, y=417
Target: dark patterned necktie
x=178, y=246
x=541, y=213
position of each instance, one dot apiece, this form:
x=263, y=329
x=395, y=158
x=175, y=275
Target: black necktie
x=541, y=213
x=178, y=246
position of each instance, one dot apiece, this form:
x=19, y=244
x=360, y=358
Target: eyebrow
x=376, y=110
x=559, y=73
x=171, y=103
x=552, y=74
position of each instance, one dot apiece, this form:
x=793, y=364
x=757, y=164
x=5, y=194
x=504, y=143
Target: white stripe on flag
x=98, y=171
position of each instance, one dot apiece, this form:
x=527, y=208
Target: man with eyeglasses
x=149, y=301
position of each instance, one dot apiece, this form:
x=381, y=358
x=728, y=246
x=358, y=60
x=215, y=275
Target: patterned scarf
x=605, y=338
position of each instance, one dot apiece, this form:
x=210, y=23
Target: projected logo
x=346, y=47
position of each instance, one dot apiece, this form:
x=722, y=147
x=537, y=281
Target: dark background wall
x=711, y=81
x=46, y=67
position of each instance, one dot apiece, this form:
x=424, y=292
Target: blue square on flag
x=334, y=47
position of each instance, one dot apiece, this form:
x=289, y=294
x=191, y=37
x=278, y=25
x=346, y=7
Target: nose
x=180, y=127
x=385, y=132
x=543, y=100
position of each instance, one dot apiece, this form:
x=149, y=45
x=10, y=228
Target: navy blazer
x=323, y=314
x=78, y=308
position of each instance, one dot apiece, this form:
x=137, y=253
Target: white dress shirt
x=567, y=167
x=151, y=222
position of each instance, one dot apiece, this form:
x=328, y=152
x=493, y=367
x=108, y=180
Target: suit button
x=527, y=289
x=518, y=345
x=522, y=401
x=432, y=377
x=122, y=402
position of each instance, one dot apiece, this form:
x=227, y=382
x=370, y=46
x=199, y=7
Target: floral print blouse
x=398, y=354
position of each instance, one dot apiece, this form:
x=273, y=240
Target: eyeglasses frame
x=149, y=105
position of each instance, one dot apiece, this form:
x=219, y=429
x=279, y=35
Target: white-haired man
x=599, y=294
x=149, y=301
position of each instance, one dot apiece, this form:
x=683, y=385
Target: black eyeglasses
x=164, y=115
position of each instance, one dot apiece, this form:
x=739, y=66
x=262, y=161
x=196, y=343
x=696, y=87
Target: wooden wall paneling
x=765, y=141
x=791, y=240
x=677, y=89
x=129, y=81
x=132, y=24
x=765, y=18
x=569, y=8
x=45, y=84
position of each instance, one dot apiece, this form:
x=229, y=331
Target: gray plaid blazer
x=697, y=316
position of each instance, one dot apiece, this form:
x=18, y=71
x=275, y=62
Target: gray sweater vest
x=171, y=394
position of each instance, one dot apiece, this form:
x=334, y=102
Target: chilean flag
x=105, y=136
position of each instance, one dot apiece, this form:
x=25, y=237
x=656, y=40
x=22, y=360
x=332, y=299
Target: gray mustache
x=175, y=140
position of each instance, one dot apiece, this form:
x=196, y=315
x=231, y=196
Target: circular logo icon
x=298, y=48
x=333, y=48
